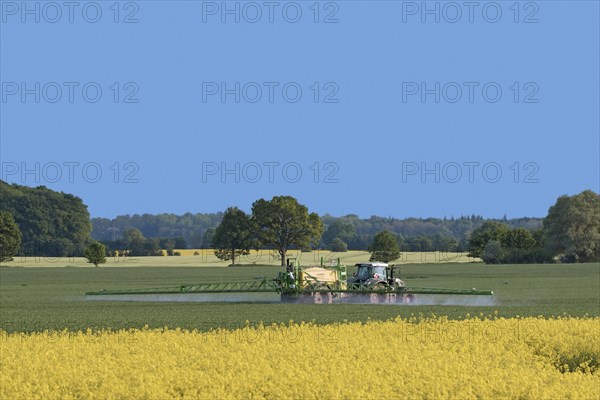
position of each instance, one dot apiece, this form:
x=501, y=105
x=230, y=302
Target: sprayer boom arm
x=271, y=286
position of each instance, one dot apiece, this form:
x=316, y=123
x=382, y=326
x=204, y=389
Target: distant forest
x=40, y=221
x=51, y=223
x=424, y=234
x=58, y=224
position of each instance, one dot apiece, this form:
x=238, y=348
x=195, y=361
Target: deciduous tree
x=282, y=222
x=572, y=227
x=95, y=253
x=10, y=236
x=385, y=247
x=233, y=237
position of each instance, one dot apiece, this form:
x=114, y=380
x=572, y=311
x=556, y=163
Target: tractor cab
x=367, y=271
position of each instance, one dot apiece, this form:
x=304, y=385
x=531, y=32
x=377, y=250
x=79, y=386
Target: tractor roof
x=372, y=264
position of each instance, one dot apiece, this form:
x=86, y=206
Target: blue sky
x=377, y=108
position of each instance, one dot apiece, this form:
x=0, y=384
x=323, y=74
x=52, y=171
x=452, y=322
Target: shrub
x=338, y=245
x=95, y=253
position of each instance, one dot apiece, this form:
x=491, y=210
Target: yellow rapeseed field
x=434, y=358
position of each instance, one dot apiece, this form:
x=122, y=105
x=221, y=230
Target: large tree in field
x=10, y=236
x=282, y=223
x=233, y=237
x=385, y=247
x=572, y=227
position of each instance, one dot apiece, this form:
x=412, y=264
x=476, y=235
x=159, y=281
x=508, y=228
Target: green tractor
x=380, y=277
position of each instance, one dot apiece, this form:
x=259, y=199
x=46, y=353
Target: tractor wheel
x=409, y=298
x=377, y=298
x=317, y=298
x=322, y=297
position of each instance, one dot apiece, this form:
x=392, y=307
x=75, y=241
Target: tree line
x=40, y=221
x=570, y=233
x=341, y=233
x=195, y=229
x=134, y=243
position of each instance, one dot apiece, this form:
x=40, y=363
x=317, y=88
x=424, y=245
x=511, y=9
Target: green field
x=39, y=298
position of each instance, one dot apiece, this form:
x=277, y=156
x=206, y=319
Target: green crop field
x=38, y=298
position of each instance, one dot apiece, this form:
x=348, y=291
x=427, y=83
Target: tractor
x=374, y=282
x=380, y=277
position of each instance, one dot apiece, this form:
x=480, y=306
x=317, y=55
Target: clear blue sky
x=397, y=97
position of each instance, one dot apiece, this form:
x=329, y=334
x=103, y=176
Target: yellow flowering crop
x=399, y=359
